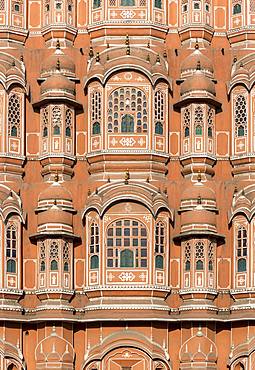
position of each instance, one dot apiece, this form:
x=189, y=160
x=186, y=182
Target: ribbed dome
x=55, y=215
x=57, y=83
x=198, y=190
x=55, y=191
x=198, y=82
x=56, y=60
x=195, y=59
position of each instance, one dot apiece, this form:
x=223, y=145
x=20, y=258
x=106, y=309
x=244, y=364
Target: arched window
x=127, y=123
x=96, y=4
x=158, y=4
x=14, y=115
x=196, y=5
x=42, y=266
x=127, y=2
x=158, y=128
x=240, y=115
x=187, y=265
x=159, y=262
x=11, y=266
x=127, y=244
x=94, y=245
x=127, y=111
x=237, y=9
x=11, y=248
x=160, y=244
x=127, y=258
x=96, y=128
x=241, y=265
x=242, y=248
x=45, y=132
x=54, y=265
x=186, y=132
x=199, y=265
x=66, y=267
x=199, y=130
x=94, y=262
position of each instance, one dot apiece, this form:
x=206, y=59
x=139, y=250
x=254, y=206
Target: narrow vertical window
x=94, y=246
x=96, y=113
x=54, y=256
x=14, y=115
x=42, y=259
x=160, y=245
x=56, y=120
x=187, y=257
x=199, y=121
x=66, y=257
x=240, y=116
x=159, y=112
x=11, y=249
x=199, y=255
x=210, y=122
x=45, y=121
x=68, y=123
x=241, y=249
x=186, y=122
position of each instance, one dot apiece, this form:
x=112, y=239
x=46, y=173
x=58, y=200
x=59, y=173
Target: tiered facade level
x=127, y=184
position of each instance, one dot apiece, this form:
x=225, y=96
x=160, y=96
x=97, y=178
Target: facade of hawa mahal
x=127, y=192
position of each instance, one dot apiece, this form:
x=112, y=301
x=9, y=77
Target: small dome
x=50, y=65
x=198, y=82
x=240, y=71
x=57, y=83
x=195, y=59
x=56, y=191
x=55, y=215
x=198, y=190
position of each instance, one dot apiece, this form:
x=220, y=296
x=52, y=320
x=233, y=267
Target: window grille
x=127, y=244
x=240, y=116
x=127, y=111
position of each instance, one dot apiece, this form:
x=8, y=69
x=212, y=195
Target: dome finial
x=98, y=57
x=199, y=177
x=127, y=40
x=58, y=65
x=198, y=65
x=91, y=52
x=127, y=177
x=128, y=50
x=158, y=59
x=57, y=45
x=196, y=45
x=56, y=177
